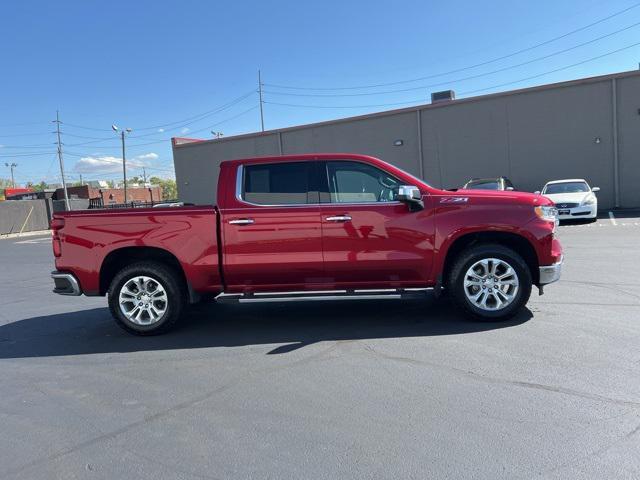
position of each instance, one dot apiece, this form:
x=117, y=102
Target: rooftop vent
x=444, y=96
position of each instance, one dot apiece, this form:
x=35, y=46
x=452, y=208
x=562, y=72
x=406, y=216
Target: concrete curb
x=25, y=234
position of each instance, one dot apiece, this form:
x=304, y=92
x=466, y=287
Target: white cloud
x=1, y=146
x=147, y=156
x=161, y=130
x=184, y=130
x=107, y=164
x=103, y=164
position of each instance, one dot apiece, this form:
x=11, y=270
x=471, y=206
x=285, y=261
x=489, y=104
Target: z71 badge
x=454, y=200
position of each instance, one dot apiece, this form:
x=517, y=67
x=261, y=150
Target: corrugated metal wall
x=532, y=136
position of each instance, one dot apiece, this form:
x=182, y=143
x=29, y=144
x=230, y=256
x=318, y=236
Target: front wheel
x=146, y=298
x=490, y=282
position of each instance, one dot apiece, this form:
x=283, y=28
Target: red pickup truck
x=311, y=227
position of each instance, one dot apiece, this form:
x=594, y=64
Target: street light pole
x=12, y=166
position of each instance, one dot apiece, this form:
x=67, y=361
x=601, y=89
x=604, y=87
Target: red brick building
x=112, y=195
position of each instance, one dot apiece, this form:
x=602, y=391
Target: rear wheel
x=146, y=298
x=490, y=282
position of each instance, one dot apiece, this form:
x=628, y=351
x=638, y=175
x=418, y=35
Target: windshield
x=483, y=185
x=566, y=187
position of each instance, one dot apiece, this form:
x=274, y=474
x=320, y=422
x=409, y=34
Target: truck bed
x=190, y=234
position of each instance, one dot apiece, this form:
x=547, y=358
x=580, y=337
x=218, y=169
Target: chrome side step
x=323, y=295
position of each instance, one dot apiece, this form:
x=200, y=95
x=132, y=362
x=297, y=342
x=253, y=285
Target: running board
x=326, y=295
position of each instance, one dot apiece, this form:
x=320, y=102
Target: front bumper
x=65, y=284
x=588, y=211
x=550, y=273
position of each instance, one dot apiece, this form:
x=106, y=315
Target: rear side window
x=278, y=184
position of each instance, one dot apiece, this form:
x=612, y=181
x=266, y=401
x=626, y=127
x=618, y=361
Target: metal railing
x=97, y=203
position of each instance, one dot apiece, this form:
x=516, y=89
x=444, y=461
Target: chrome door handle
x=242, y=221
x=339, y=218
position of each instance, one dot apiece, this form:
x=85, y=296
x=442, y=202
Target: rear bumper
x=65, y=284
x=551, y=273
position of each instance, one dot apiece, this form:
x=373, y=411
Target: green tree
x=38, y=187
x=4, y=183
x=168, y=186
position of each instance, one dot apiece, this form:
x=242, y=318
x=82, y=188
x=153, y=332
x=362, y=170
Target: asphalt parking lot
x=384, y=389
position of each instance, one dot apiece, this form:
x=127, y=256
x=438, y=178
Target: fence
x=24, y=216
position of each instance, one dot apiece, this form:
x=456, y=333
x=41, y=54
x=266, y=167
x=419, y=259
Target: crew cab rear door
x=271, y=230
x=369, y=239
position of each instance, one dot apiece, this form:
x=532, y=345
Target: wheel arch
x=516, y=242
x=121, y=257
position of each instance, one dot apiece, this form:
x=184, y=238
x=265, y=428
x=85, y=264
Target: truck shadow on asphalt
x=294, y=325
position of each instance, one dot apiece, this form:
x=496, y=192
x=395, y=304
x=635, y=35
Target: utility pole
x=261, y=101
x=64, y=182
x=11, y=166
x=124, y=161
x=81, y=180
x=124, y=167
x=144, y=175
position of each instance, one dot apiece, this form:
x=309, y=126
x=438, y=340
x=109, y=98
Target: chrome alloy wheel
x=143, y=300
x=491, y=284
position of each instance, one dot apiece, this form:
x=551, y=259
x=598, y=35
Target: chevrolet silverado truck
x=311, y=227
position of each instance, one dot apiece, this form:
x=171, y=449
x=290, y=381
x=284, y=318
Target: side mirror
x=537, y=192
x=410, y=195
x=595, y=189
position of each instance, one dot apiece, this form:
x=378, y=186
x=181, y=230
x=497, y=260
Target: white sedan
x=574, y=198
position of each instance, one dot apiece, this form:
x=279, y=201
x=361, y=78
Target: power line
x=457, y=80
x=201, y=115
x=591, y=59
x=24, y=135
x=22, y=124
x=23, y=154
x=457, y=70
x=419, y=100
x=554, y=70
x=227, y=119
x=182, y=123
x=220, y=109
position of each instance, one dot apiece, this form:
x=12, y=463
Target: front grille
x=566, y=205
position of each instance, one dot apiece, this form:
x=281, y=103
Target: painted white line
x=613, y=219
x=35, y=240
x=25, y=234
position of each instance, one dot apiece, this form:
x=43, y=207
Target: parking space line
x=613, y=219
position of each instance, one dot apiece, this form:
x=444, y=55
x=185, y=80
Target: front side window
x=355, y=182
x=277, y=183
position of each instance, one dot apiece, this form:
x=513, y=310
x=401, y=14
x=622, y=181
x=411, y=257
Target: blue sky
x=165, y=68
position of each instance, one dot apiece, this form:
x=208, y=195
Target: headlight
x=590, y=200
x=549, y=214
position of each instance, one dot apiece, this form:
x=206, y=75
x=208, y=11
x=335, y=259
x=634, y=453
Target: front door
x=272, y=239
x=369, y=239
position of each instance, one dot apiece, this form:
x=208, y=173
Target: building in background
x=111, y=196
x=587, y=128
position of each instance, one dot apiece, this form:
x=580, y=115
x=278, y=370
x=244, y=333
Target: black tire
x=164, y=275
x=464, y=261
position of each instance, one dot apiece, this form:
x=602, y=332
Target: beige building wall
x=586, y=128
